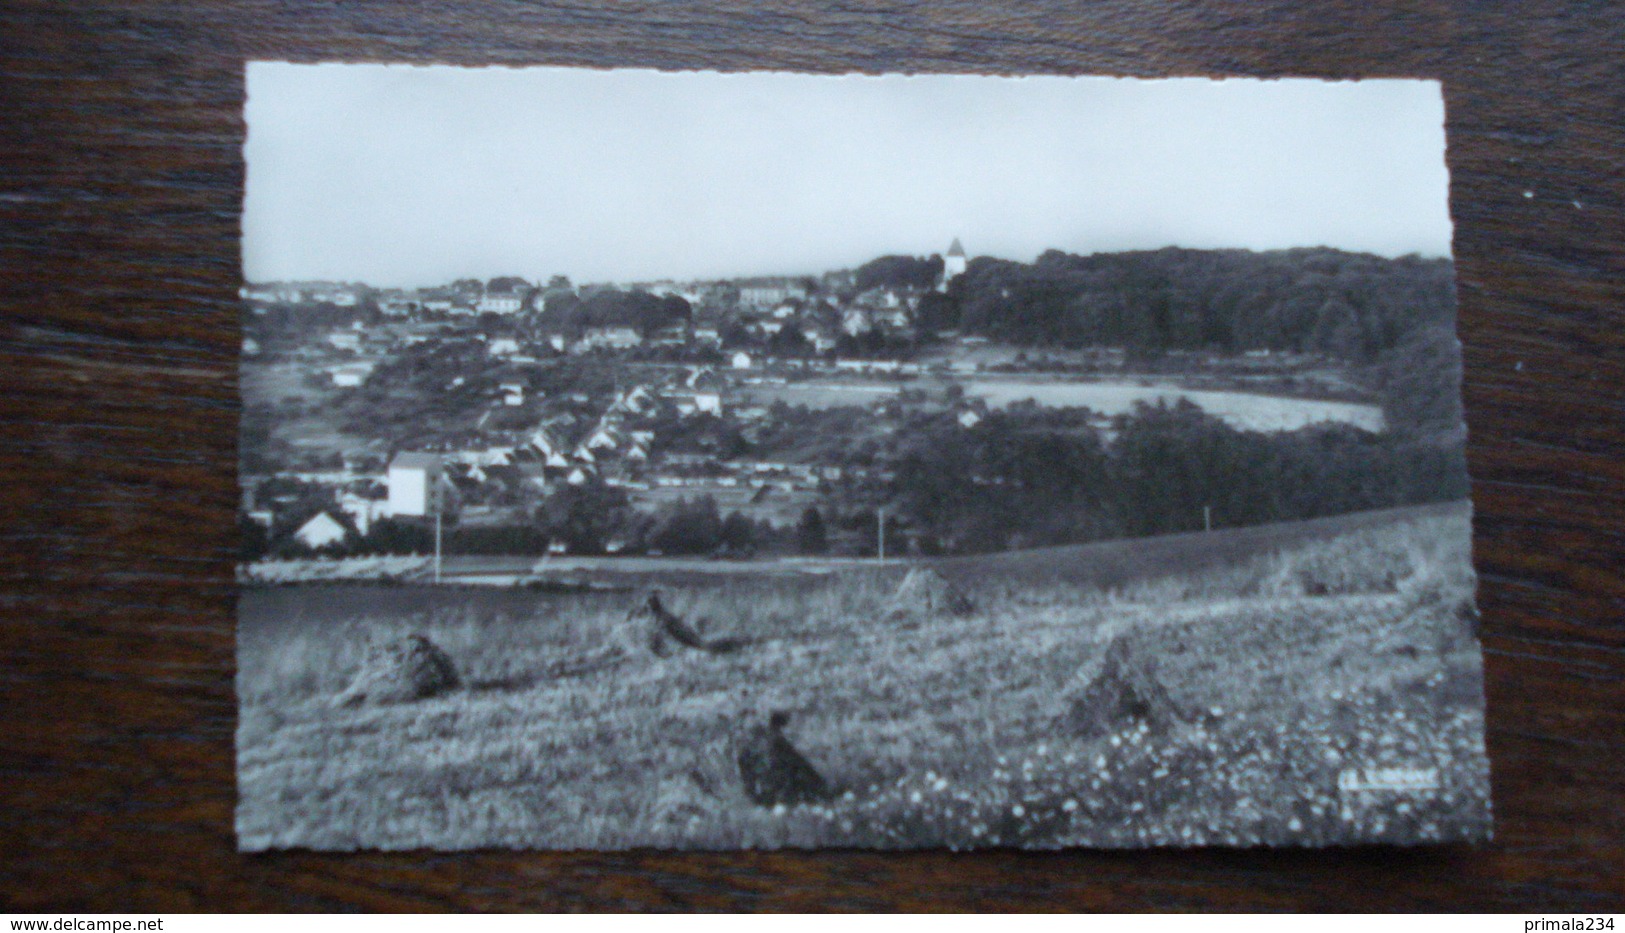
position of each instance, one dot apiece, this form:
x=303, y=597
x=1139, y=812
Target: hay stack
x=926, y=592
x=663, y=629
x=1123, y=691
x=772, y=771
x=411, y=668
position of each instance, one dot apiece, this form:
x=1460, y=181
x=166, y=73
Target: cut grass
x=1302, y=657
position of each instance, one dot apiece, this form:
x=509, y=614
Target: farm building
x=413, y=479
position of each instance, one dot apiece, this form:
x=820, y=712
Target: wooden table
x=120, y=180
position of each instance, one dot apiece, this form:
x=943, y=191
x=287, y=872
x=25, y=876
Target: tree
x=899, y=272
x=585, y=516
x=810, y=535
x=1420, y=384
x=1352, y=306
x=253, y=539
x=738, y=534
x=734, y=334
x=506, y=283
x=688, y=526
x=789, y=342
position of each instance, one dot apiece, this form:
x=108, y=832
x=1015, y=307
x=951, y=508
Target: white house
x=413, y=482
x=869, y=366
x=639, y=400
x=603, y=439
x=741, y=360
x=617, y=338
x=320, y=531
x=542, y=441
x=341, y=299
x=502, y=346
x=350, y=375
x=500, y=301
x=896, y=317
x=513, y=393
x=765, y=293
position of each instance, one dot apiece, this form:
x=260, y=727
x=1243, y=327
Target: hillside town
x=657, y=390
x=735, y=418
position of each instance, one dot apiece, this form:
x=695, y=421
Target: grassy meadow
x=1293, y=657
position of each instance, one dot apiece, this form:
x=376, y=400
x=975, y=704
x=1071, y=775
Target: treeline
x=1034, y=478
x=611, y=307
x=898, y=272
x=1352, y=306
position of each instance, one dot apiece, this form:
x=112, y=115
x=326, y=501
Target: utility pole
x=880, y=520
x=436, y=502
x=1207, y=518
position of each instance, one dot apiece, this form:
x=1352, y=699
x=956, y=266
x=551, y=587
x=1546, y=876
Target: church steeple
x=953, y=264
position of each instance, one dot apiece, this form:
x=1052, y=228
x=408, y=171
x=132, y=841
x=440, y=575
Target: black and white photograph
x=757, y=460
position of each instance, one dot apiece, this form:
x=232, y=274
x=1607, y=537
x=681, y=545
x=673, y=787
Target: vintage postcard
x=718, y=461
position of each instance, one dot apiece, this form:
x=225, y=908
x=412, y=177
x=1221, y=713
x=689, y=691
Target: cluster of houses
x=821, y=310
x=501, y=480
x=501, y=472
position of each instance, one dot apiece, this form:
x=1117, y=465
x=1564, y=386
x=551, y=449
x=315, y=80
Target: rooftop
x=415, y=459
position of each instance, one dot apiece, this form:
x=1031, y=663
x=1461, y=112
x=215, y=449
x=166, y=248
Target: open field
x=1301, y=664
x=1244, y=410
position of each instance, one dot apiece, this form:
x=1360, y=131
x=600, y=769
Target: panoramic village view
x=905, y=405
x=1149, y=548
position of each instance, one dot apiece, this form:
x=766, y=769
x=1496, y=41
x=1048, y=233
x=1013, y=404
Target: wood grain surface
x=120, y=181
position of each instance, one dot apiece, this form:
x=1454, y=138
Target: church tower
x=953, y=264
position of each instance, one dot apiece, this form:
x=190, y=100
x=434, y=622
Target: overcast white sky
x=398, y=175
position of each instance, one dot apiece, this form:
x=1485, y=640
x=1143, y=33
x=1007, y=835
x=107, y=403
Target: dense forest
x=1352, y=306
x=1030, y=477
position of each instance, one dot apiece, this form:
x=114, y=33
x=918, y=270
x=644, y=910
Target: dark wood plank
x=120, y=179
